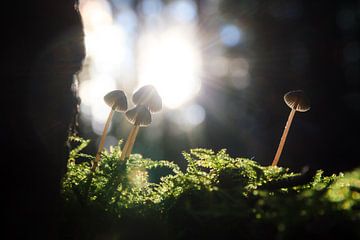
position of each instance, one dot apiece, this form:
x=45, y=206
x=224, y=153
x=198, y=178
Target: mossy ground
x=216, y=196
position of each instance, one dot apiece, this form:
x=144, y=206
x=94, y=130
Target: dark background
x=289, y=45
x=309, y=45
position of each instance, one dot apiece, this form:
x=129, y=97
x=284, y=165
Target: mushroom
x=118, y=102
x=148, y=97
x=297, y=101
x=139, y=116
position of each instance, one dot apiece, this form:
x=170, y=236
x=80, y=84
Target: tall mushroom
x=139, y=116
x=148, y=98
x=118, y=102
x=297, y=101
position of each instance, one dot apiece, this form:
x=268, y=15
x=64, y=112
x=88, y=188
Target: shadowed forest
x=286, y=45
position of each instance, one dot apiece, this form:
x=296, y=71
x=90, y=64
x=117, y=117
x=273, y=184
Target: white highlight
x=230, y=35
x=194, y=115
x=171, y=63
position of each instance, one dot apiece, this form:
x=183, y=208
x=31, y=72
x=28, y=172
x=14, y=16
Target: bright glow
x=194, y=115
x=92, y=93
x=188, y=117
x=106, y=47
x=97, y=127
x=107, y=55
x=138, y=177
x=183, y=10
x=128, y=20
x=171, y=63
x=119, y=56
x=151, y=7
x=95, y=13
x=230, y=35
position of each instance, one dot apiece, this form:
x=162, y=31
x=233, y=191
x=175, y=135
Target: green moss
x=216, y=195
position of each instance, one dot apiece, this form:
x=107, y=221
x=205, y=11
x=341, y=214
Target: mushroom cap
x=149, y=97
x=297, y=100
x=116, y=100
x=139, y=115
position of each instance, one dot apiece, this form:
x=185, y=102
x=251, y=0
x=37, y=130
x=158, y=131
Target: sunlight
x=170, y=61
x=122, y=54
x=96, y=14
x=106, y=47
x=93, y=90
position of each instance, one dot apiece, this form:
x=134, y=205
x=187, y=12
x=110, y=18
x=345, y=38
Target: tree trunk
x=43, y=53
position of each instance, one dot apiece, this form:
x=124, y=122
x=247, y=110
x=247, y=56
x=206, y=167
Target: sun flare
x=164, y=55
x=171, y=62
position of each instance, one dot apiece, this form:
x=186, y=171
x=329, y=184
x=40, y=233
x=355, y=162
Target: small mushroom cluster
x=147, y=101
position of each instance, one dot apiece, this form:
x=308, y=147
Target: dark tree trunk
x=44, y=51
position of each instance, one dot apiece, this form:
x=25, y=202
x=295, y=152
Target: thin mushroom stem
x=126, y=146
x=132, y=140
x=283, y=137
x=102, y=141
x=139, y=116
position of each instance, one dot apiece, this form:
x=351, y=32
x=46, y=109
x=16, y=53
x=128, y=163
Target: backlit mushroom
x=139, y=116
x=118, y=102
x=149, y=97
x=297, y=101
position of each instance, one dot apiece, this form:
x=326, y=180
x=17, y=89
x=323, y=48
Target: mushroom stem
x=129, y=142
x=126, y=146
x=102, y=141
x=283, y=137
x=132, y=141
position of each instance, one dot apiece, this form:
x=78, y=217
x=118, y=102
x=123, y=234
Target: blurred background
x=222, y=68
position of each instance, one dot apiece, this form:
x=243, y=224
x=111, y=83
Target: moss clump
x=215, y=196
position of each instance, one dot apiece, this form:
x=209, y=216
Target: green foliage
x=216, y=195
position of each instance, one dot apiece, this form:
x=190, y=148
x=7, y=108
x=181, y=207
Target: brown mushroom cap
x=149, y=97
x=297, y=100
x=116, y=100
x=140, y=115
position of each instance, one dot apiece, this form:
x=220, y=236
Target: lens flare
x=170, y=62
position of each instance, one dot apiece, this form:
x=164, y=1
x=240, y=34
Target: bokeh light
x=170, y=62
x=106, y=47
x=194, y=115
x=96, y=14
x=182, y=10
x=151, y=7
x=230, y=35
x=163, y=43
x=92, y=93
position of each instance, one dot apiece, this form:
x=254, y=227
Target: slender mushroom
x=139, y=116
x=148, y=97
x=118, y=102
x=297, y=101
